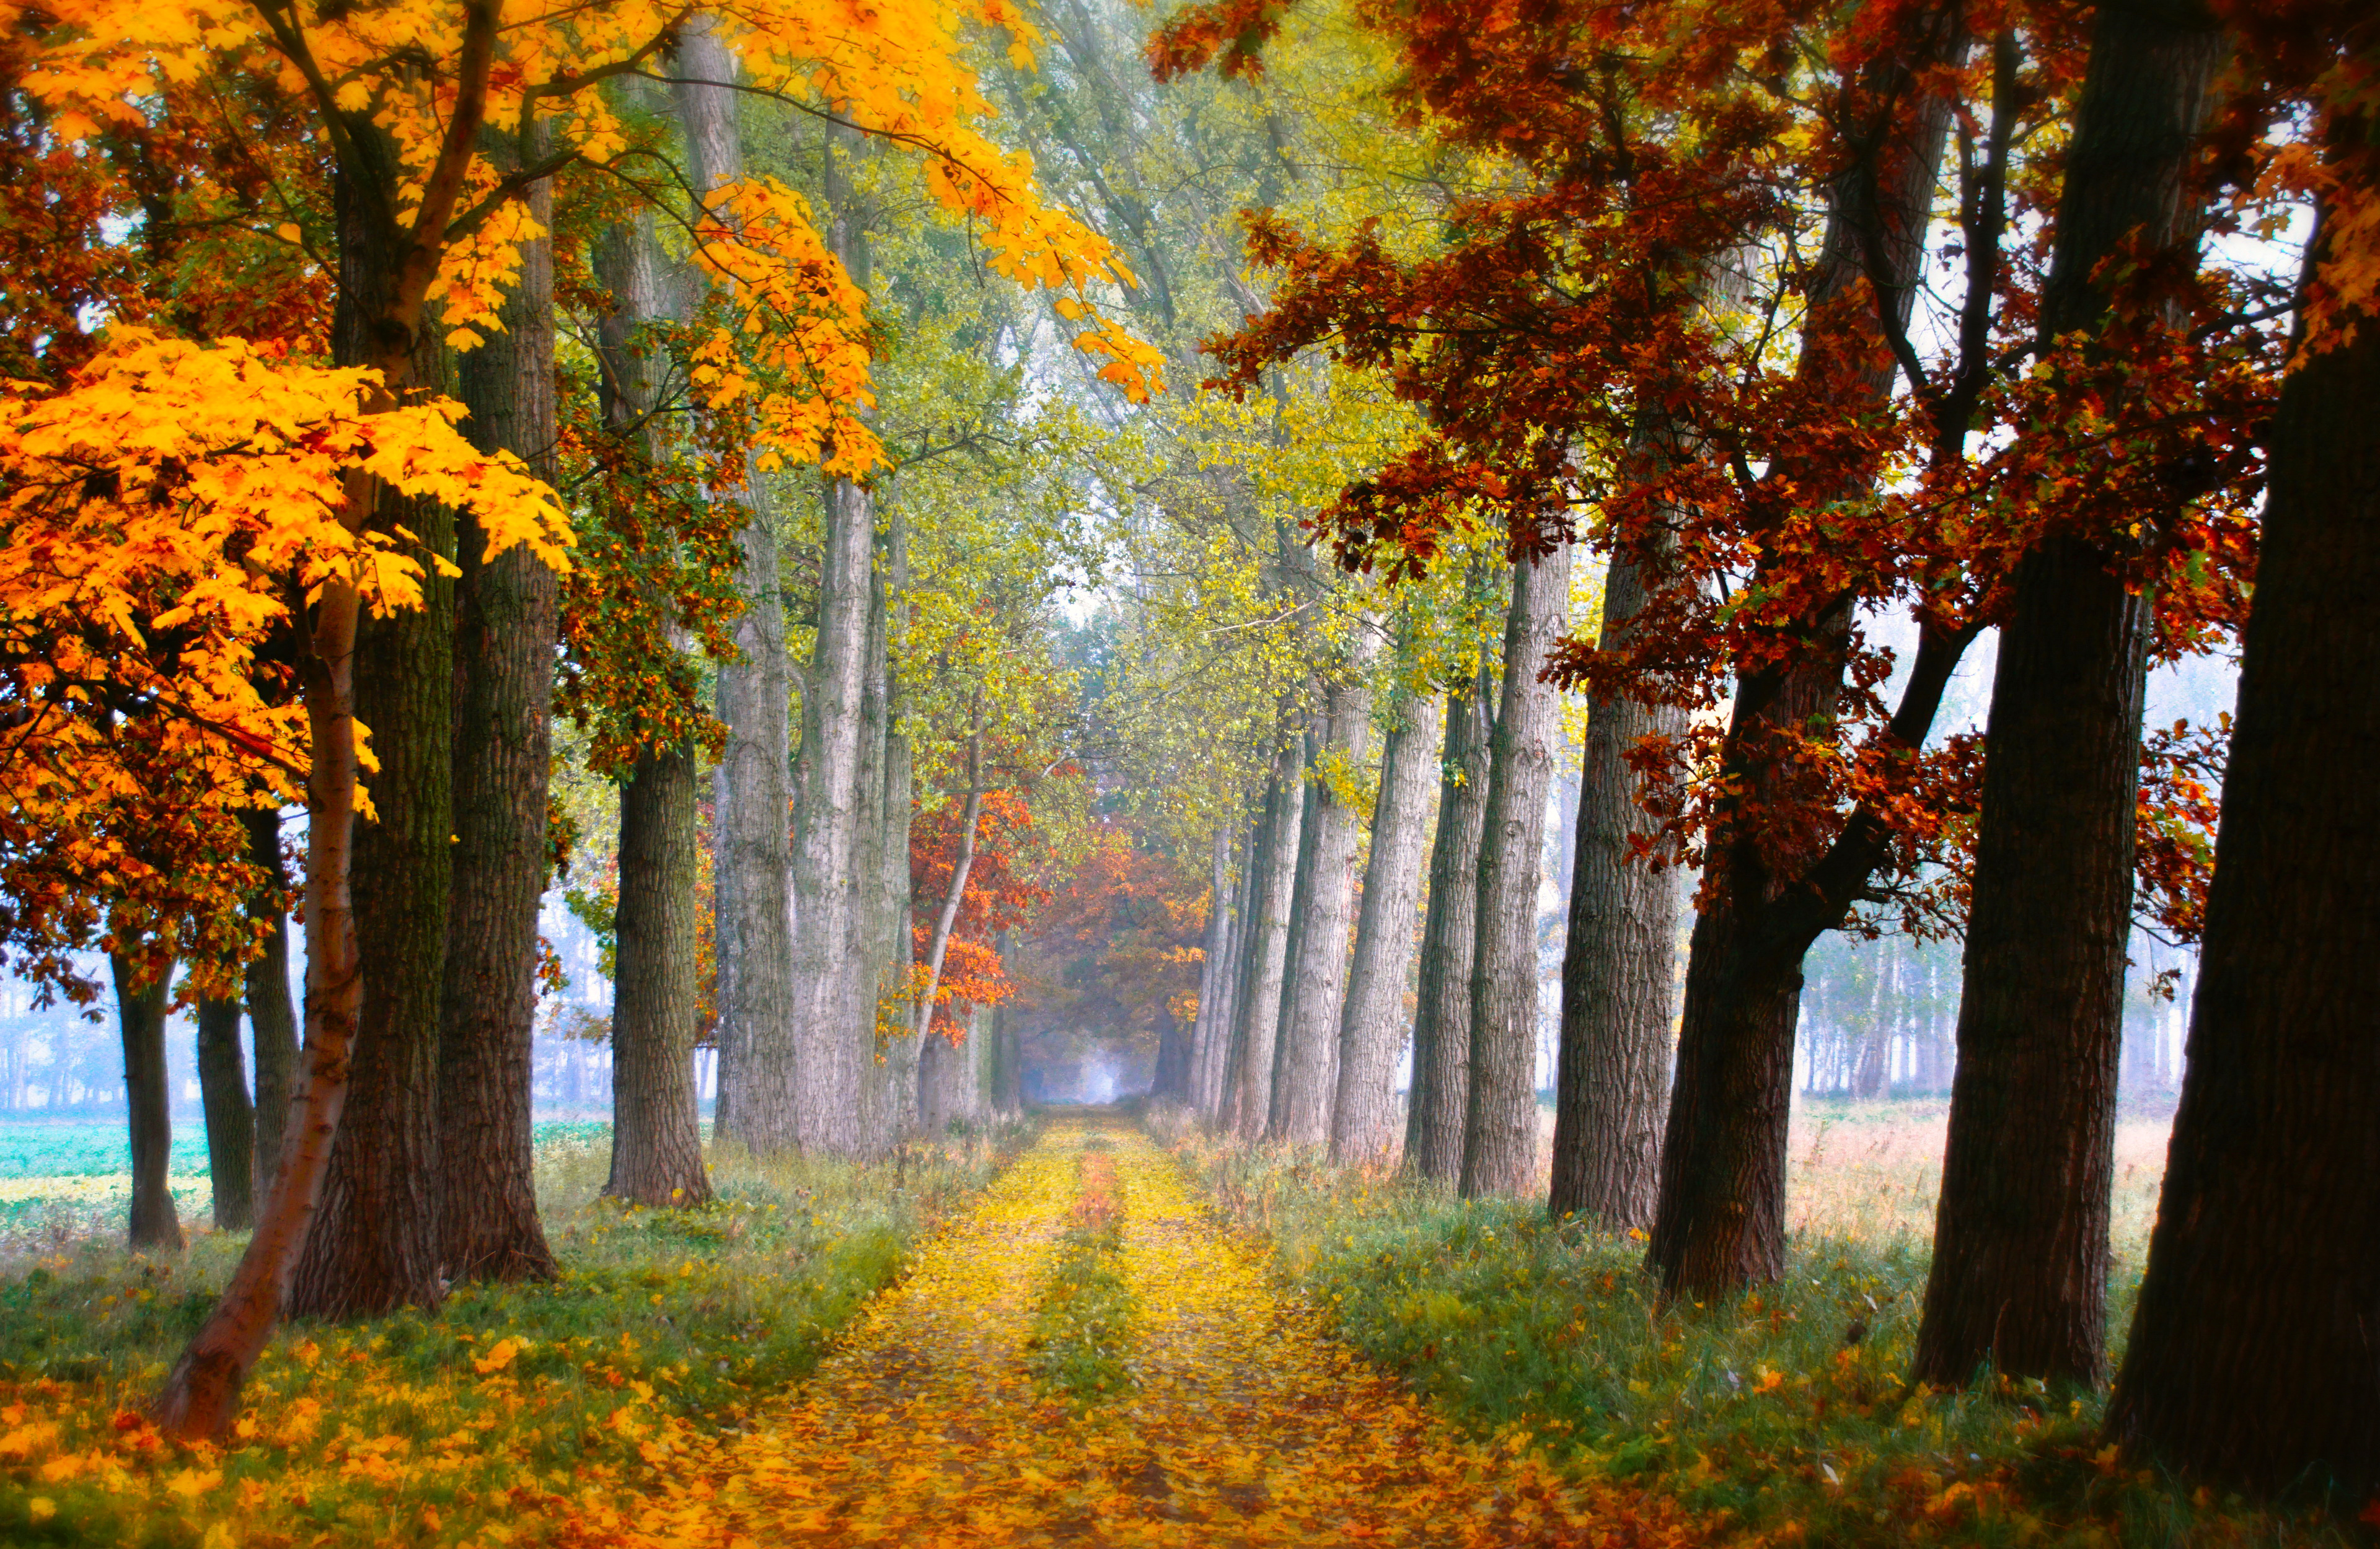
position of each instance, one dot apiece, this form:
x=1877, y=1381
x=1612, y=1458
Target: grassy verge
x=1787, y=1409
x=1076, y=1349
x=467, y=1425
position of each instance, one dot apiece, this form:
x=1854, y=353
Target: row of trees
x=451, y=345
x=1995, y=375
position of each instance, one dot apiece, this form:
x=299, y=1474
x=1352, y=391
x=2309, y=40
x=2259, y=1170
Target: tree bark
x=141, y=1018
x=374, y=1245
x=1372, y=1022
x=1499, y=1140
x=1215, y=1055
x=888, y=1068
x=1256, y=1019
x=752, y=788
x=271, y=1021
x=1618, y=959
x=231, y=1118
x=955, y=896
x=1214, y=941
x=824, y=1099
x=1300, y=896
x=1317, y=977
x=2251, y=1360
x=2021, y=1256
x=382, y=280
x=505, y=612
x=1719, y=1214
x=656, y=1126
x=1440, y=1099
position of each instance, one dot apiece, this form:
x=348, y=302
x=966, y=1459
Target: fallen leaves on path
x=1246, y=1425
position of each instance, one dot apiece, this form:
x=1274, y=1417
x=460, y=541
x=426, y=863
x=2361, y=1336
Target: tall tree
x=141, y=999
x=374, y=1243
x=1372, y=1023
x=751, y=788
x=1256, y=1016
x=1500, y=1139
x=1719, y=1211
x=2251, y=1356
x=1316, y=991
x=231, y=1116
x=506, y=611
x=1613, y=1073
x=271, y=1020
x=656, y=1128
x=2021, y=1254
x=1440, y=1100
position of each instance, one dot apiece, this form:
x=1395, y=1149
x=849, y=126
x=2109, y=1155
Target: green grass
x=1084, y=1316
x=1787, y=1409
x=693, y=1316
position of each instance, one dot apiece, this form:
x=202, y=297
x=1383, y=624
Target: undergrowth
x=1075, y=1348
x=1788, y=1407
x=436, y=1427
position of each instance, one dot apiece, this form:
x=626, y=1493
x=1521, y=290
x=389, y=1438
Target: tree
x=140, y=1013
x=1499, y=1134
x=1613, y=1070
x=2021, y=1258
x=1371, y=1027
x=1440, y=1100
x=2250, y=1355
x=230, y=1115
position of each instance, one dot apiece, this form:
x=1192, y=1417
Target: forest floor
x=1103, y=1330
x=1092, y=1358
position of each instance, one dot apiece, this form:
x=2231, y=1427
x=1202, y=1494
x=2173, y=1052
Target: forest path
x=1245, y=1424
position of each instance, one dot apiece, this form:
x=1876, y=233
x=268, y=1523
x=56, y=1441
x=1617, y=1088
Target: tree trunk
x=888, y=1068
x=231, y=1120
x=1257, y=1020
x=505, y=615
x=2020, y=1270
x=752, y=788
x=656, y=1125
x=1215, y=1057
x=2251, y=1356
x=821, y=1089
x=271, y=1021
x=1300, y=897
x=1719, y=1215
x=141, y=1017
x=1318, y=975
x=1618, y=959
x=382, y=280
x=1372, y=1022
x=1214, y=941
x=954, y=895
x=1441, y=1095
x=1499, y=1140
x=374, y=1246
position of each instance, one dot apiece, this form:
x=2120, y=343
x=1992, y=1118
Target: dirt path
x=1246, y=1425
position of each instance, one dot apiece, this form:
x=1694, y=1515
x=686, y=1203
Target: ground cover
x=1075, y=1348
x=505, y=1411
x=1243, y=1423
x=1787, y=1409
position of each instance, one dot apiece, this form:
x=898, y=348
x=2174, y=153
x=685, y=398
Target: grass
x=64, y=1179
x=1075, y=1348
x=456, y=1426
x=1788, y=1409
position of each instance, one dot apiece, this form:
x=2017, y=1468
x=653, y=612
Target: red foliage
x=997, y=899
x=1118, y=950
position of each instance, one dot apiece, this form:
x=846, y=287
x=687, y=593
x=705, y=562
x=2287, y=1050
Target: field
x=67, y=1179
